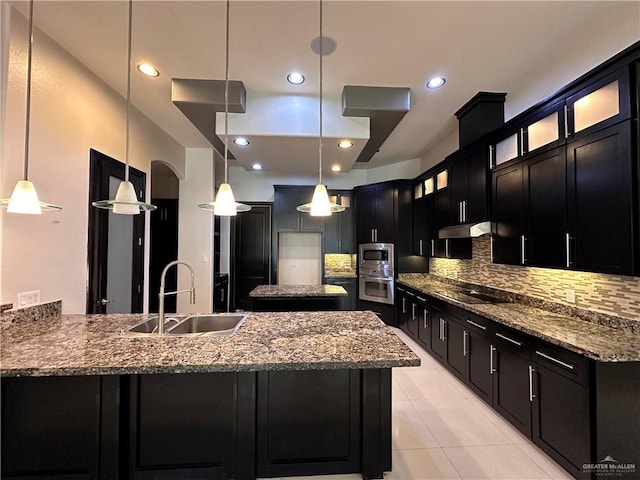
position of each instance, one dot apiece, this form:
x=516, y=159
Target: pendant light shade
x=126, y=201
x=24, y=198
x=224, y=204
x=320, y=205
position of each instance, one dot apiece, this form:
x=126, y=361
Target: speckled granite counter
x=92, y=345
x=296, y=291
x=533, y=316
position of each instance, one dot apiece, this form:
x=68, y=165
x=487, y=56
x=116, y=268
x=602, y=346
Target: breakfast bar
x=286, y=298
x=294, y=393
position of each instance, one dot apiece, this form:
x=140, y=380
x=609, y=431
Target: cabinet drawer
x=569, y=364
x=517, y=342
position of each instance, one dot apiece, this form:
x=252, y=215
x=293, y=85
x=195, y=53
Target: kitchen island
x=289, y=394
x=286, y=298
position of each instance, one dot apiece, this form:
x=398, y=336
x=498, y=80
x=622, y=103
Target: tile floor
x=441, y=430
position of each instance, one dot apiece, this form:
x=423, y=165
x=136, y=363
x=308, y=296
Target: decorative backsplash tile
x=610, y=294
x=340, y=264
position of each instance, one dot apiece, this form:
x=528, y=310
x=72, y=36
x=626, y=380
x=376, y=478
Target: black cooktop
x=471, y=296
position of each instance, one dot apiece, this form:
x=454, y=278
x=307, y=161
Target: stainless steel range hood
x=467, y=230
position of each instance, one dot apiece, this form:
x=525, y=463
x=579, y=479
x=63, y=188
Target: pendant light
x=320, y=205
x=126, y=201
x=224, y=204
x=24, y=198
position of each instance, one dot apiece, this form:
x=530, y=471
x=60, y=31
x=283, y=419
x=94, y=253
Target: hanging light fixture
x=224, y=204
x=126, y=201
x=320, y=205
x=24, y=198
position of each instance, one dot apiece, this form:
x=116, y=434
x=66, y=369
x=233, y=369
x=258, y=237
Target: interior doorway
x=116, y=242
x=163, y=234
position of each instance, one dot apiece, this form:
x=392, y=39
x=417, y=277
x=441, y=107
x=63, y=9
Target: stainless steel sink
x=211, y=324
x=150, y=325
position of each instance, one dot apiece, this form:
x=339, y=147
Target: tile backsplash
x=339, y=263
x=611, y=294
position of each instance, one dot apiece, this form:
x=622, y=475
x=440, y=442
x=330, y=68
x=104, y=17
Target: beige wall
x=195, y=227
x=71, y=111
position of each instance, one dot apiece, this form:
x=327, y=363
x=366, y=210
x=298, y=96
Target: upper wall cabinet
x=339, y=227
x=565, y=178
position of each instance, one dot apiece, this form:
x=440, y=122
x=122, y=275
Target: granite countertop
x=93, y=345
x=286, y=291
x=529, y=315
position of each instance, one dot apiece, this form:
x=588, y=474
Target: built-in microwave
x=377, y=256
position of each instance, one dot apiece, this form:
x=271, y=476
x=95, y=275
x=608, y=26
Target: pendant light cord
x=320, y=139
x=28, y=109
x=226, y=98
x=126, y=148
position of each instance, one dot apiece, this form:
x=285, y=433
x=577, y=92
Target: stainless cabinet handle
x=471, y=322
x=465, y=336
x=404, y=305
x=433, y=248
x=460, y=212
x=491, y=165
x=566, y=121
x=444, y=330
x=464, y=211
x=492, y=370
x=421, y=252
x=515, y=342
x=555, y=360
x=421, y=299
x=104, y=301
x=440, y=329
x=446, y=248
x=522, y=242
x=376, y=234
x=522, y=142
x=413, y=311
x=424, y=318
x=531, y=372
x=568, y=245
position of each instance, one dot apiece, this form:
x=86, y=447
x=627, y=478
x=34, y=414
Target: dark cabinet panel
x=545, y=190
x=350, y=285
x=512, y=379
x=561, y=419
x=479, y=375
x=376, y=214
x=456, y=338
x=507, y=215
x=423, y=226
x=339, y=227
x=286, y=217
x=602, y=216
x=366, y=204
x=439, y=335
x=292, y=440
x=424, y=323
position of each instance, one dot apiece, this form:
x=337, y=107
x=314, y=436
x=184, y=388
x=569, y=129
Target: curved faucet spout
x=162, y=294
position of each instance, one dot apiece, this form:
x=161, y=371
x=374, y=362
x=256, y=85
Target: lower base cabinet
x=579, y=411
x=236, y=425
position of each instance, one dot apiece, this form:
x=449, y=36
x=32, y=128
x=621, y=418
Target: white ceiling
x=478, y=45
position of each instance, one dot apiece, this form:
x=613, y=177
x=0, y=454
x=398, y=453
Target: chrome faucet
x=161, y=295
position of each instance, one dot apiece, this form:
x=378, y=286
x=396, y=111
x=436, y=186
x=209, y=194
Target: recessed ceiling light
x=336, y=168
x=256, y=166
x=148, y=70
x=436, y=82
x=296, y=78
x=243, y=142
x=345, y=144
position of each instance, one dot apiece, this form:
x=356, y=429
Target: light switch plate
x=570, y=295
x=28, y=298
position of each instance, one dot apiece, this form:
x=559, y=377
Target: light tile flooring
x=441, y=430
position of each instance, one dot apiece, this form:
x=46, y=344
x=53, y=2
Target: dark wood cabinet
x=602, y=207
x=561, y=407
x=424, y=233
x=456, y=338
x=285, y=215
x=339, y=227
x=424, y=322
x=479, y=349
x=376, y=213
x=507, y=205
x=512, y=378
x=468, y=184
x=439, y=334
x=545, y=222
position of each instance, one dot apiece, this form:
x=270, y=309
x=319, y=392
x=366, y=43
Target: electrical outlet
x=570, y=295
x=28, y=298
